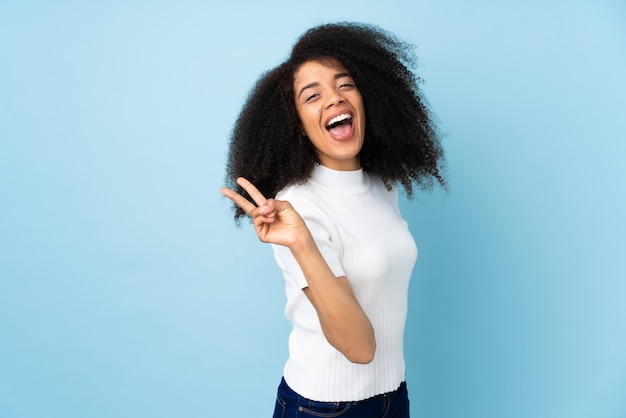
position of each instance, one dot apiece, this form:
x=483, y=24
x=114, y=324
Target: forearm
x=343, y=321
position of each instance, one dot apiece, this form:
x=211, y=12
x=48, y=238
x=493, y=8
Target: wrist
x=304, y=243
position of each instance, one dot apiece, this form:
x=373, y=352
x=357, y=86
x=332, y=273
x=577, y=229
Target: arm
x=343, y=321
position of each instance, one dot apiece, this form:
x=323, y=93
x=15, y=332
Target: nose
x=334, y=98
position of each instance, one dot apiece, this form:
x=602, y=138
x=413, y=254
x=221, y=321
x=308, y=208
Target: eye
x=311, y=97
x=347, y=85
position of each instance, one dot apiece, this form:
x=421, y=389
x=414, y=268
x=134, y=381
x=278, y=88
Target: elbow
x=365, y=358
x=361, y=355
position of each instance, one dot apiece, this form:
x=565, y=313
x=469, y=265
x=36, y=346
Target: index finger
x=241, y=201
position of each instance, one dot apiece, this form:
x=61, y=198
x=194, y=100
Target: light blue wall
x=126, y=291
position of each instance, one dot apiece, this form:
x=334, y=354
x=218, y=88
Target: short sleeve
x=326, y=238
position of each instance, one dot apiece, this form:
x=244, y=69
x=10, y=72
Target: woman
x=330, y=133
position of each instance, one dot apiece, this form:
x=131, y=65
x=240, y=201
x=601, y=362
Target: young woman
x=315, y=158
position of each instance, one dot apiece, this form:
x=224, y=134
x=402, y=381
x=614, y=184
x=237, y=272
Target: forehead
x=316, y=67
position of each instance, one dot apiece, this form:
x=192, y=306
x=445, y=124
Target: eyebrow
x=315, y=83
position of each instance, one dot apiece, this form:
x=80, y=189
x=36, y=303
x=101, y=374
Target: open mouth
x=344, y=119
x=340, y=127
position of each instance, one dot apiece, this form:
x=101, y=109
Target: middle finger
x=254, y=193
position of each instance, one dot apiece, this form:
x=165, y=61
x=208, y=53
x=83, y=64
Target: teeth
x=338, y=119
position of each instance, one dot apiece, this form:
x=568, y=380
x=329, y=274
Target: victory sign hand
x=275, y=221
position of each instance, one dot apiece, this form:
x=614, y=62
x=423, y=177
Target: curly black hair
x=401, y=143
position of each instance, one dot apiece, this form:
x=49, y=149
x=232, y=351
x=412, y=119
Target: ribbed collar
x=356, y=181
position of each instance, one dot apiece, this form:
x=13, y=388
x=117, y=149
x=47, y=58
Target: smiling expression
x=331, y=111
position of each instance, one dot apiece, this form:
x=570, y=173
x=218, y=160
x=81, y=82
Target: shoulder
x=301, y=196
x=291, y=190
x=310, y=203
x=380, y=188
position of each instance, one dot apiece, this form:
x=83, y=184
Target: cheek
x=310, y=117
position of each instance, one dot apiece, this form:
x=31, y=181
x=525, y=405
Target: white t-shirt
x=360, y=232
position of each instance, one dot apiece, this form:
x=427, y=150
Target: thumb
x=269, y=206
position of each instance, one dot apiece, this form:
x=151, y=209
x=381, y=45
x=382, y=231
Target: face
x=331, y=112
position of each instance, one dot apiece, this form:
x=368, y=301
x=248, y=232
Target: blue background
x=126, y=290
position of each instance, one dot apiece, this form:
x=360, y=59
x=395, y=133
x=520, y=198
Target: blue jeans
x=389, y=405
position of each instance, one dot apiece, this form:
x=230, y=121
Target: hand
x=275, y=221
